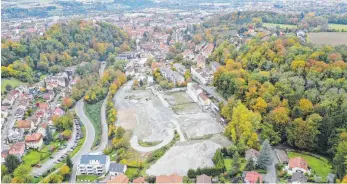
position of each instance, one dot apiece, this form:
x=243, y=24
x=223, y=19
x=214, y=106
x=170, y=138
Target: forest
x=287, y=92
x=61, y=46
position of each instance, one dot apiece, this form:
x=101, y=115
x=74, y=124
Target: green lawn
x=282, y=26
x=32, y=157
x=338, y=26
x=321, y=166
x=12, y=81
x=87, y=177
x=93, y=112
x=132, y=172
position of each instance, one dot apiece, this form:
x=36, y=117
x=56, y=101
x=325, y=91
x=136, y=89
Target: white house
x=297, y=164
x=34, y=141
x=117, y=169
x=198, y=95
x=93, y=164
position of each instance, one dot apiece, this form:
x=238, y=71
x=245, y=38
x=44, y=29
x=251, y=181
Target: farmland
x=282, y=26
x=328, y=38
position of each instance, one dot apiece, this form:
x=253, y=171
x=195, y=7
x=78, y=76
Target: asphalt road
x=271, y=176
x=51, y=162
x=88, y=143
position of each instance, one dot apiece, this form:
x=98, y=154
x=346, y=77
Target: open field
x=319, y=166
x=328, y=38
x=93, y=113
x=339, y=27
x=12, y=81
x=282, y=26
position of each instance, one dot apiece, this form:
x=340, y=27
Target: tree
x=65, y=171
x=236, y=164
x=218, y=159
x=265, y=155
x=48, y=137
x=243, y=125
x=69, y=162
x=3, y=169
x=260, y=105
x=119, y=132
x=6, y=178
x=340, y=159
x=22, y=174
x=67, y=102
x=250, y=166
x=11, y=162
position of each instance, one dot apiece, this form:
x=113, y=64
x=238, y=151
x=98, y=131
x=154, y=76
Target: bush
x=210, y=171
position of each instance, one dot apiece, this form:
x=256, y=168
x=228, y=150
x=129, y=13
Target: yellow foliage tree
x=260, y=105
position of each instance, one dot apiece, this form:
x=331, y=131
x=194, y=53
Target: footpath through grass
x=320, y=166
x=93, y=112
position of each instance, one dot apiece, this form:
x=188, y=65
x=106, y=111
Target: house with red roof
x=34, y=141
x=17, y=149
x=26, y=125
x=297, y=164
x=253, y=177
x=58, y=111
x=173, y=178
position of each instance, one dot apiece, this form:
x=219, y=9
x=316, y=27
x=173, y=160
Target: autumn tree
x=243, y=125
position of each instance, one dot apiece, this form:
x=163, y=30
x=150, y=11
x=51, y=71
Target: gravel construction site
x=152, y=116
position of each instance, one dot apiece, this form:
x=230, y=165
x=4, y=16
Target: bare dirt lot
x=328, y=38
x=154, y=117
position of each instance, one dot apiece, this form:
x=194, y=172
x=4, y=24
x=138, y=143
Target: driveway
x=271, y=176
x=51, y=162
x=88, y=143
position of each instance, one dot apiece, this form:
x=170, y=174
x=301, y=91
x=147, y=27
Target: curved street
x=90, y=137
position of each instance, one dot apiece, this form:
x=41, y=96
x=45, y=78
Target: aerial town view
x=174, y=91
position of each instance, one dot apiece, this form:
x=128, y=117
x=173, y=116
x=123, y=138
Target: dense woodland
x=288, y=93
x=62, y=45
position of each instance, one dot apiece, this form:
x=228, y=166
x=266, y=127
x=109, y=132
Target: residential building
x=173, y=178
x=172, y=76
x=5, y=111
x=17, y=149
x=58, y=111
x=180, y=68
x=331, y=178
x=11, y=98
x=253, y=177
x=207, y=50
x=198, y=95
x=93, y=164
x=34, y=141
x=252, y=154
x=140, y=180
x=117, y=169
x=26, y=125
x=48, y=96
x=42, y=129
x=122, y=178
x=200, y=61
x=19, y=114
x=203, y=179
x=130, y=71
x=297, y=164
x=4, y=154
x=204, y=76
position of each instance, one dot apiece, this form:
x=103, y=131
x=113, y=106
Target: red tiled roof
x=298, y=162
x=23, y=124
x=139, y=180
x=17, y=148
x=253, y=177
x=122, y=178
x=173, y=178
x=33, y=137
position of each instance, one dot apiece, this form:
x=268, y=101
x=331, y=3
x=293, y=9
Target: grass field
x=228, y=163
x=328, y=38
x=282, y=26
x=93, y=112
x=321, y=166
x=12, y=81
x=338, y=26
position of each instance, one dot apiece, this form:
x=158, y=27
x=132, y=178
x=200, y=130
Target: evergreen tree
x=11, y=162
x=236, y=164
x=69, y=162
x=49, y=137
x=265, y=155
x=250, y=165
x=218, y=159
